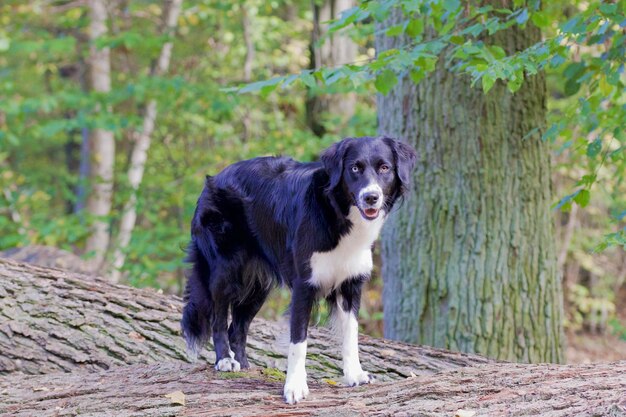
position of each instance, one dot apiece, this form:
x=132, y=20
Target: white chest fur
x=351, y=257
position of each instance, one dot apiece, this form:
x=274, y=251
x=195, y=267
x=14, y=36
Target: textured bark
x=139, y=155
x=471, y=252
x=329, y=51
x=487, y=390
x=53, y=321
x=101, y=141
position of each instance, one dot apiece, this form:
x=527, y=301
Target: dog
x=274, y=221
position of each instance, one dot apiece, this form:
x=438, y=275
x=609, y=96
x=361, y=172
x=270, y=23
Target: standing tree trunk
x=139, y=155
x=469, y=259
x=101, y=141
x=336, y=50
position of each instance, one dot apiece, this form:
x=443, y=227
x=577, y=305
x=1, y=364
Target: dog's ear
x=332, y=159
x=405, y=157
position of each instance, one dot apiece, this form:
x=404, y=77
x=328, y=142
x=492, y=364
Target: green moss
x=273, y=374
x=232, y=375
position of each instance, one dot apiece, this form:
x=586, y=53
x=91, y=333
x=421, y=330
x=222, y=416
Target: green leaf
x=582, y=198
x=608, y=9
x=487, y=82
x=395, y=30
x=415, y=27
x=385, y=81
x=308, y=79
x=565, y=204
x=457, y=40
x=265, y=86
x=540, y=19
x=522, y=17
x=587, y=180
x=594, y=148
x=497, y=51
x=348, y=16
x=514, y=84
x=571, y=87
x=417, y=75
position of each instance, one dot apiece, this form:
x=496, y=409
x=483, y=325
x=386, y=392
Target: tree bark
x=126, y=356
x=139, y=154
x=469, y=260
x=337, y=49
x=487, y=390
x=52, y=321
x=101, y=141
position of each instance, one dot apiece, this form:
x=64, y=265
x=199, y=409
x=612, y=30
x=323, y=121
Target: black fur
x=257, y=224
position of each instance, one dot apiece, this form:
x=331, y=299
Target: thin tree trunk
x=566, y=239
x=247, y=25
x=139, y=154
x=84, y=164
x=469, y=261
x=336, y=50
x=56, y=321
x=158, y=390
x=101, y=141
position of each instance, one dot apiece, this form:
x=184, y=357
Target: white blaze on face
x=371, y=188
x=296, y=387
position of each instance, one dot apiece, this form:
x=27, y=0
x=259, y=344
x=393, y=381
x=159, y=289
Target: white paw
x=360, y=377
x=296, y=389
x=227, y=365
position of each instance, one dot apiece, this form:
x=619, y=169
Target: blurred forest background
x=165, y=93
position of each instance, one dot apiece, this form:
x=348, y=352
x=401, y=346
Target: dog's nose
x=371, y=198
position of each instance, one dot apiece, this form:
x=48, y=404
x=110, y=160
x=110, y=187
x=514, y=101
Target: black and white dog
x=311, y=226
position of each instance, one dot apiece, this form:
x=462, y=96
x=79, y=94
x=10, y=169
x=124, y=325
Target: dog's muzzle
x=370, y=201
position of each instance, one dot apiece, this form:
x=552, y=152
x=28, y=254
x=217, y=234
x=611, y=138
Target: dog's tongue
x=371, y=212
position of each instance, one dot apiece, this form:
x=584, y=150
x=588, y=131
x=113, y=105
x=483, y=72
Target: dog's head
x=371, y=172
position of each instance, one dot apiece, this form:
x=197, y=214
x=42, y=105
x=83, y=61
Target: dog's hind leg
x=224, y=357
x=242, y=316
x=198, y=311
x=302, y=299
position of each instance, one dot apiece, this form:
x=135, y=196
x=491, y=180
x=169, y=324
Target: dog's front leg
x=346, y=311
x=303, y=296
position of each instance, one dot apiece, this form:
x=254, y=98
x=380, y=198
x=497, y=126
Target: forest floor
x=589, y=348
x=586, y=347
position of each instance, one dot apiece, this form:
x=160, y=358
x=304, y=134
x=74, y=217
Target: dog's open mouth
x=370, y=213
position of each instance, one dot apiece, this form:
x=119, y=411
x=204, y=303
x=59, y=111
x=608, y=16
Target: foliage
x=587, y=51
x=588, y=311
x=45, y=110
x=208, y=116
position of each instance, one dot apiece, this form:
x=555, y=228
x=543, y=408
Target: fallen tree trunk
x=127, y=359
x=52, y=321
x=170, y=389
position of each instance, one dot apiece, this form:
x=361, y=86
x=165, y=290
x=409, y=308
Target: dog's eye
x=383, y=168
x=355, y=168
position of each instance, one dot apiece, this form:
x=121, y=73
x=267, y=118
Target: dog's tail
x=198, y=312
